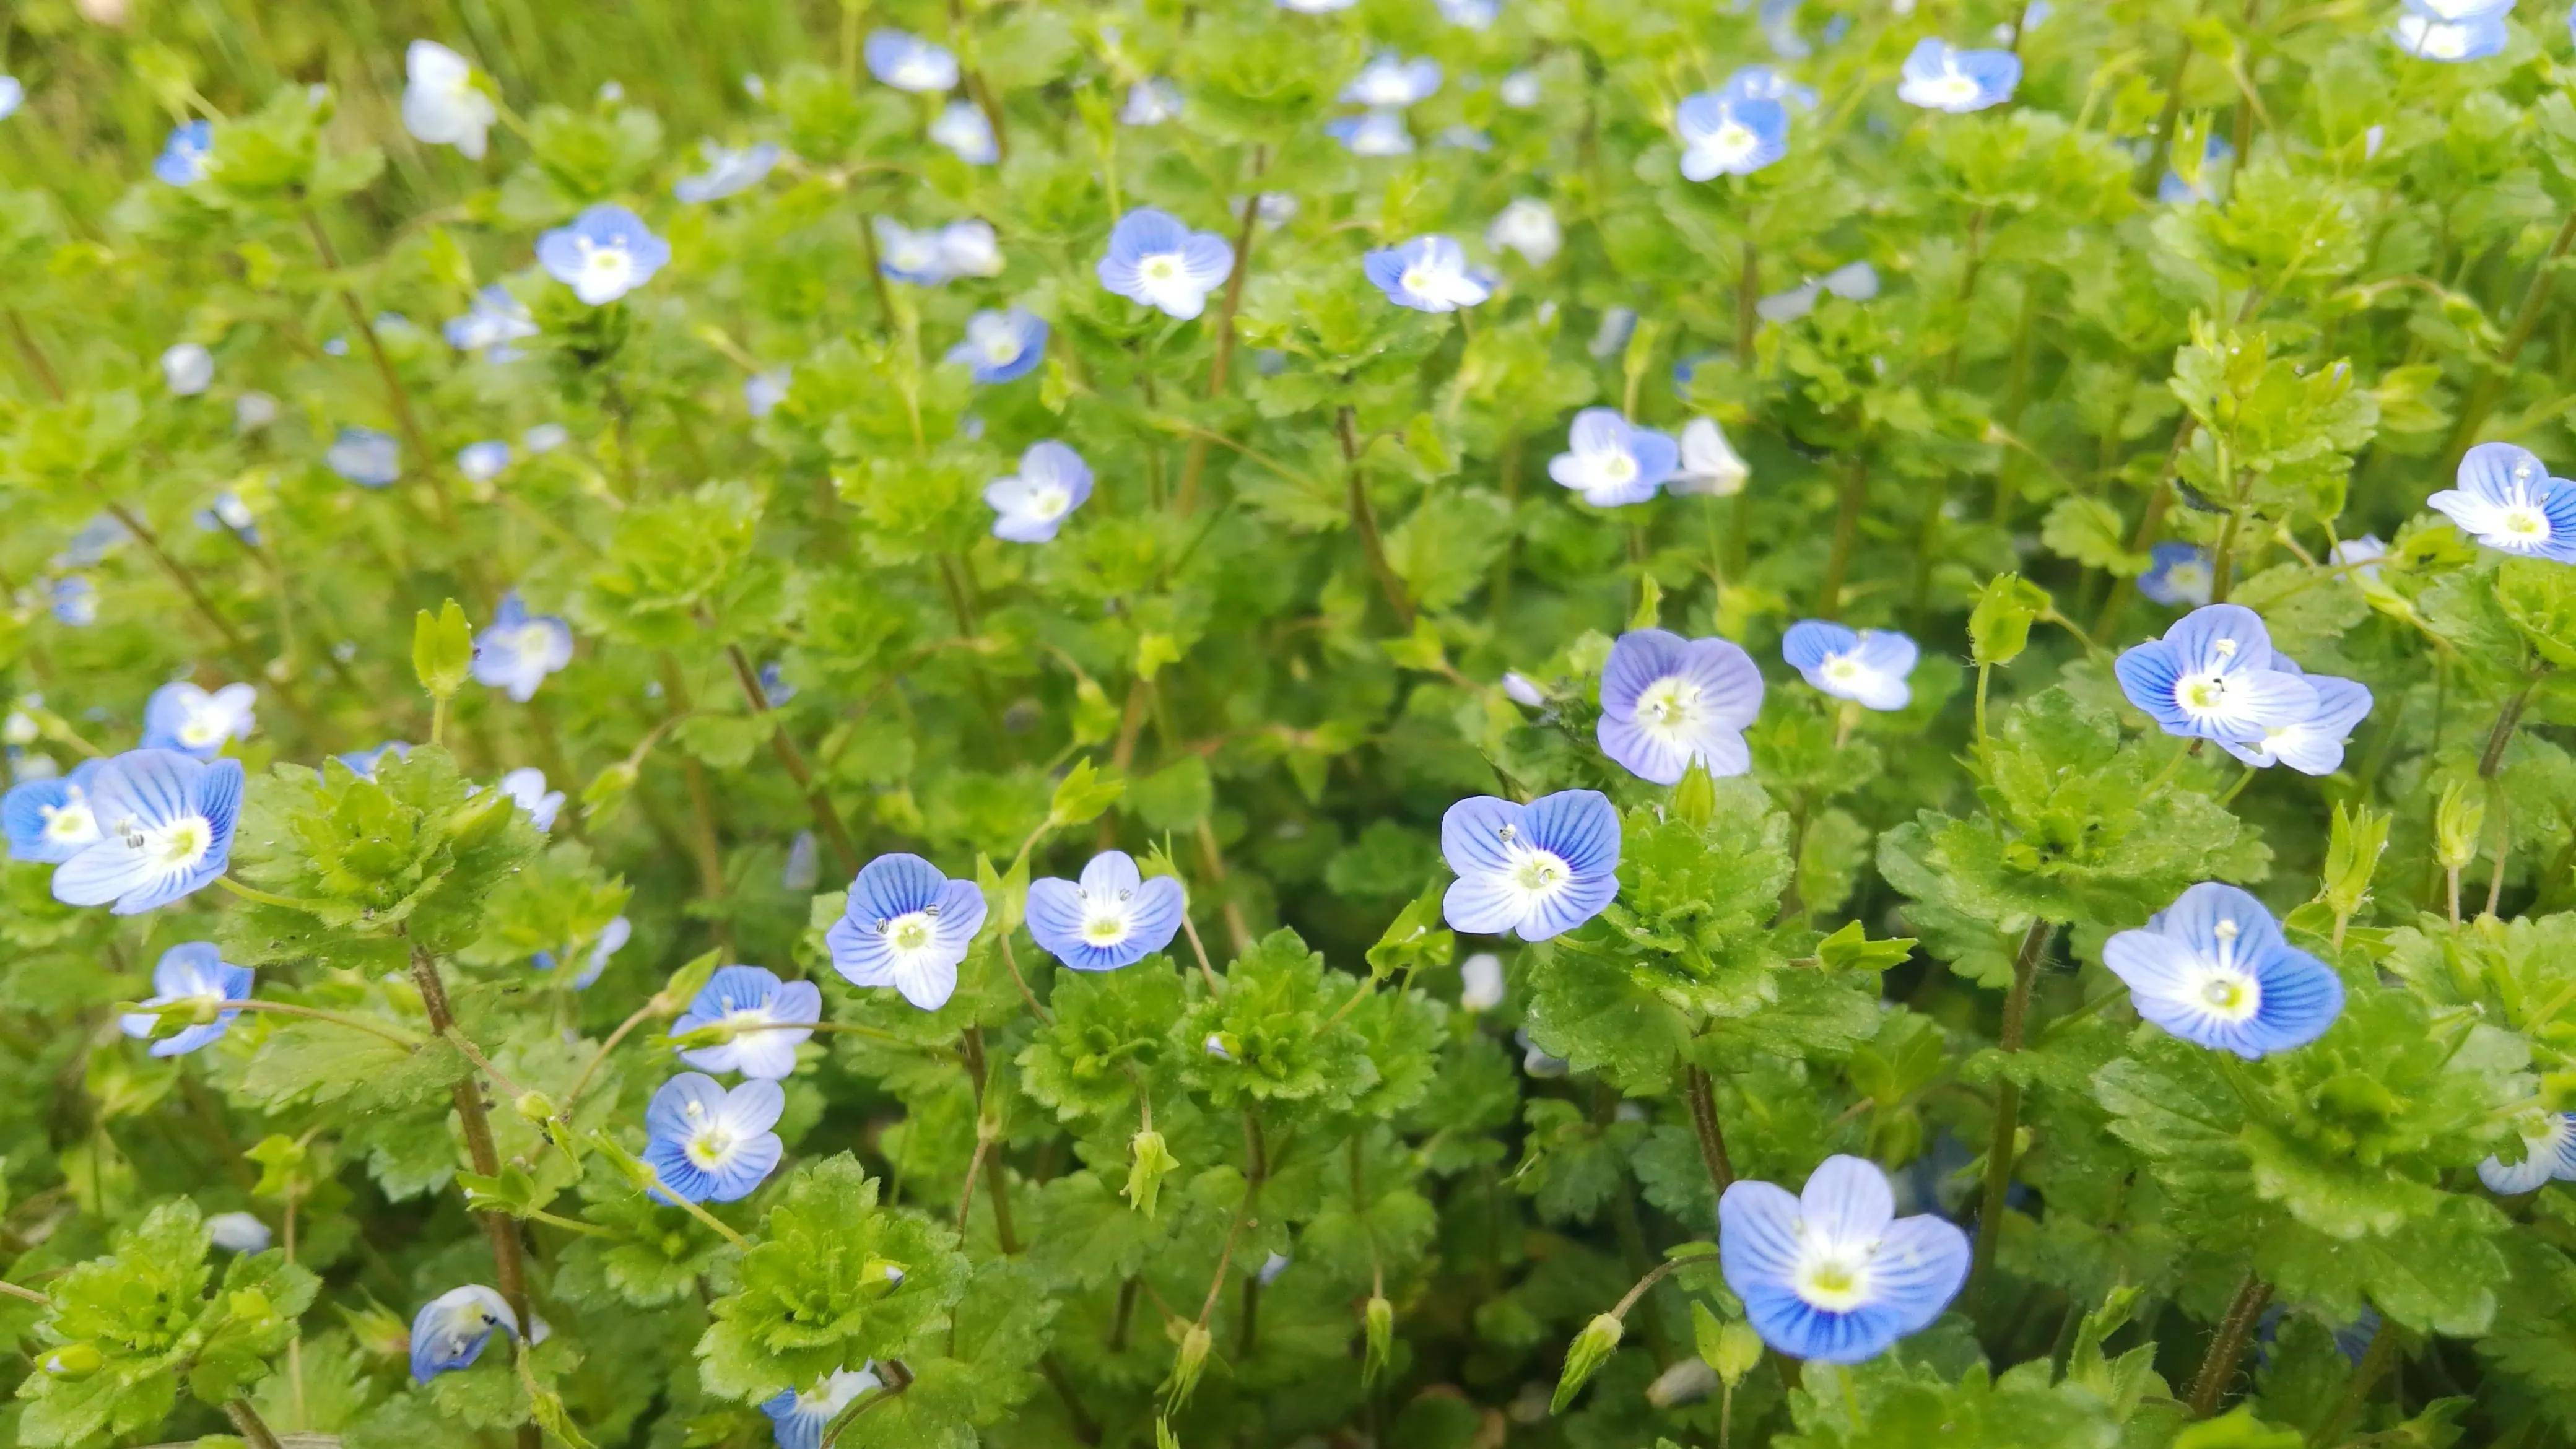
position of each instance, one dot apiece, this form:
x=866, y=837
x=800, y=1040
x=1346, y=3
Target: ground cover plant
x=1350, y=722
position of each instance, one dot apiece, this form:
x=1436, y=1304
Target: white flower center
x=1417, y=280
x=70, y=821
x=203, y=728
x=909, y=932
x=1950, y=88
x=2523, y=523
x=1733, y=141
x=180, y=844
x=913, y=256
x=1540, y=872
x=1618, y=468
x=1001, y=348
x=1842, y=669
x=1049, y=500
x=2203, y=693
x=1668, y=706
x=605, y=266
x=1105, y=928
x=1831, y=1277
x=1164, y=268
x=709, y=1146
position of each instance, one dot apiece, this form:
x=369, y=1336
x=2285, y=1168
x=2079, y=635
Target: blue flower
x=2312, y=745
x=1834, y=1274
x=2174, y=190
x=365, y=457
x=606, y=253
x=165, y=823
x=1154, y=259
x=237, y=1233
x=228, y=511
x=1611, y=461
x=190, y=973
x=1768, y=83
x=962, y=127
x=1316, y=7
x=1428, y=274
x=1389, y=80
x=910, y=63
x=708, y=1144
x=612, y=939
x=770, y=1015
x=1150, y=102
x=362, y=763
x=906, y=926
x=774, y=686
x=441, y=104
x=496, y=320
x=1540, y=869
x=450, y=1330
x=545, y=437
x=2507, y=501
x=13, y=94
x=1032, y=504
x=969, y=249
x=482, y=462
x=182, y=161
x=1869, y=668
x=1941, y=77
x=2177, y=573
x=2212, y=676
x=181, y=716
x=728, y=172
x=2213, y=969
x=1113, y=917
x=2548, y=1151
x=911, y=256
x=520, y=649
x=1470, y=14
x=1527, y=226
x=1724, y=134
x=762, y=392
x=1372, y=133
x=187, y=368
x=1710, y=465
x=526, y=786
x=1667, y=701
x=2361, y=556
x=1002, y=346
x=797, y=1420
x=51, y=820
x=73, y=601
x=2424, y=32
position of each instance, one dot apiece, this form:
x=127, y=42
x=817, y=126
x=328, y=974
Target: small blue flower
x=606, y=253
x=1833, y=1274
x=910, y=63
x=182, y=161
x=1150, y=102
x=362, y=763
x=774, y=685
x=729, y=172
x=195, y=973
x=450, y=1330
x=803, y=865
x=1667, y=701
x=2177, y=574
x=1710, y=466
x=906, y=926
x=1768, y=83
x=1540, y=869
x=612, y=939
x=2548, y=1151
x=73, y=601
x=365, y=457
x=482, y=462
x=2174, y=190
x=165, y=823
x=237, y=1233
x=712, y=1145
x=1372, y=133
x=1154, y=259
x=181, y=716
x=545, y=437
x=1113, y=917
x=962, y=127
x=969, y=249
x=441, y=104
x=2313, y=745
x=187, y=368
x=1002, y=346
x=772, y=1017
x=2212, y=676
x=911, y=256
x=1939, y=76
x=520, y=649
x=228, y=511
x=1869, y=668
x=1389, y=80
x=1316, y=7
x=13, y=94
x=2361, y=555
x=2507, y=501
x=526, y=786
x=762, y=392
x=1527, y=226
x=1428, y=274
x=1724, y=134
x=2425, y=33
x=1032, y=504
x=496, y=320
x=797, y=1420
x=2213, y=969
x=52, y=819
x=1611, y=461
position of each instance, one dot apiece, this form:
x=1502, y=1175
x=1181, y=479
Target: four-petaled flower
x=2213, y=676
x=1869, y=667
x=906, y=926
x=193, y=973
x=2507, y=501
x=1155, y=259
x=2213, y=969
x=496, y=320
x=1833, y=1274
x=1667, y=701
x=797, y=1420
x=910, y=63
x=1612, y=461
x=520, y=649
x=2314, y=744
x=365, y=457
x=606, y=253
x=1539, y=869
x=1381, y=132
x=767, y=1019
x=450, y=1330
x=612, y=939
x=526, y=787
x=708, y=1144
x=51, y=820
x=482, y=462
x=1030, y=505
x=1112, y=917
x=1527, y=226
x=1728, y=134
x=962, y=127
x=1710, y=465
x=182, y=161
x=1391, y=80
x=441, y=104
x=1939, y=76
x=2548, y=1151
x=165, y=829
x=2177, y=573
x=1002, y=346
x=187, y=368
x=1427, y=274
x=2453, y=33
x=181, y=716
x=728, y=172
x=1150, y=102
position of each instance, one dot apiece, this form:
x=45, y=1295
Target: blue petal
x=1809, y=643
x=894, y=885
x=1471, y=835
x=1580, y=826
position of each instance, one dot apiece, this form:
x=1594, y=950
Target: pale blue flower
x=969, y=249
x=1002, y=346
x=803, y=866
x=2176, y=191
x=1710, y=466
x=1463, y=137
x=1729, y=135
x=545, y=437
x=187, y=369
x=1391, y=81
x=441, y=105
x=2507, y=501
x=13, y=94
x=2177, y=574
x=1768, y=83
x=1527, y=226
x=729, y=172
x=1150, y=102
x=2429, y=36
x=1833, y=1274
x=612, y=939
x=227, y=511
x=482, y=462
x=2213, y=969
x=770, y=1016
x=450, y=1330
x=2212, y=676
x=1428, y=274
x=1611, y=461
x=520, y=649
x=365, y=457
x=797, y=1420
x=2548, y=1151
x=165, y=822
x=1539, y=869
x=1112, y=917
x=526, y=786
x=963, y=128
x=762, y=392
x=181, y=716
x=1032, y=504
x=1869, y=668
x=1668, y=702
x=253, y=411
x=774, y=685
x=194, y=973
x=1939, y=76
x=1618, y=324
x=708, y=1144
x=1316, y=7
x=1155, y=259
x=906, y=926
x=50, y=820
x=496, y=320
x=73, y=601
x=1372, y=133
x=2360, y=555
x=1853, y=282
x=1470, y=14
x=910, y=256
x=363, y=763
x=238, y=1233
x=2314, y=744
x=1520, y=90
x=606, y=253
x=1481, y=986
x=910, y=63
x=182, y=161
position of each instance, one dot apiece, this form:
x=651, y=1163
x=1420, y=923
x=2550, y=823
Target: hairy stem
x=1999, y=1150
x=1697, y=1091
x=2218, y=1368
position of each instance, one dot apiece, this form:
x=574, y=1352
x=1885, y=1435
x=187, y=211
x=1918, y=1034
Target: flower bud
x=1151, y=1160
x=1222, y=1045
x=2352, y=855
x=1687, y=1381
x=1739, y=1348
x=1187, y=1365
x=884, y=1270
x=2457, y=822
x=73, y=1361
x=1377, y=1326
x=1591, y=1349
x=534, y=1107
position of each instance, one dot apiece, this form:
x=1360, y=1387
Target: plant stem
x=1194, y=463
x=25, y=1295
x=254, y=893
x=2492, y=758
x=1999, y=1150
x=396, y=1035
x=826, y=819
x=2365, y=1376
x=1364, y=523
x=1660, y=1272
x=1704, y=1122
x=252, y=1426
x=1855, y=494
x=2535, y=299
x=2228, y=1346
